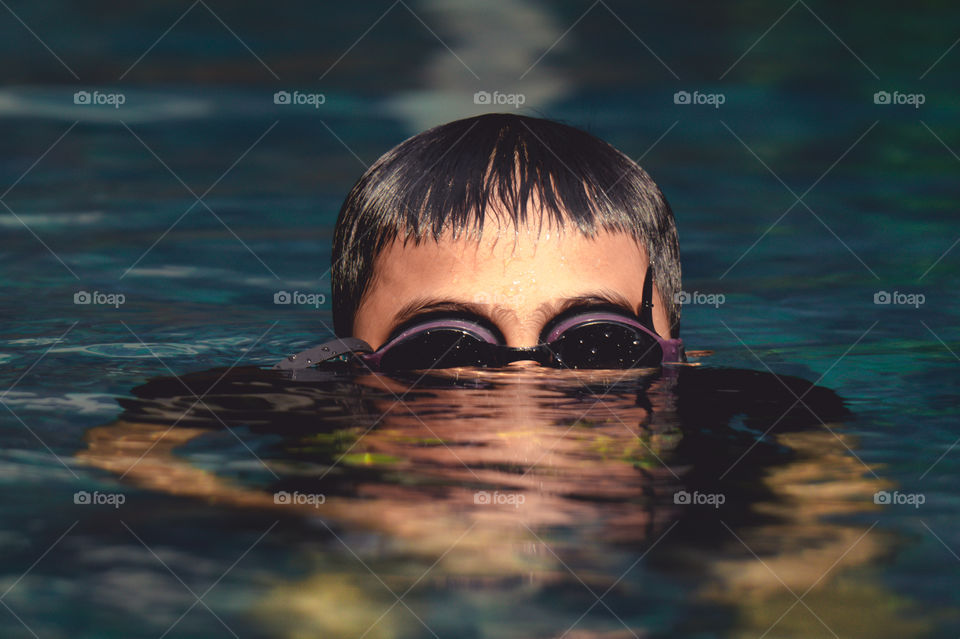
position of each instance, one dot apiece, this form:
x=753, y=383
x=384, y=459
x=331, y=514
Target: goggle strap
x=646, y=304
x=324, y=352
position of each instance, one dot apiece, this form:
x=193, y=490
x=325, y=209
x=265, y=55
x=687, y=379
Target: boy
x=500, y=239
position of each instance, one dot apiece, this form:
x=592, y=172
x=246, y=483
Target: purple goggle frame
x=584, y=339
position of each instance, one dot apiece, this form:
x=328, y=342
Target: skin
x=517, y=279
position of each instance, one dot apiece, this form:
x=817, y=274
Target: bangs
x=433, y=184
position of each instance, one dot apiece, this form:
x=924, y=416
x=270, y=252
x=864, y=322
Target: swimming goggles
x=599, y=337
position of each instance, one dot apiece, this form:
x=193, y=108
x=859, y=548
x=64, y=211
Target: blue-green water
x=112, y=207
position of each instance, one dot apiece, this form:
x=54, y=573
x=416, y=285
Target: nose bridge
x=531, y=354
x=524, y=329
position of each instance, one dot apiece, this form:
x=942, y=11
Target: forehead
x=532, y=263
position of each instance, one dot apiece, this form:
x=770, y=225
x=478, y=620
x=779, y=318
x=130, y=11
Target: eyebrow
x=493, y=312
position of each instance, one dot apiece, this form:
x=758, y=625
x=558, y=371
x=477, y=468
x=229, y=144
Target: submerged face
x=517, y=280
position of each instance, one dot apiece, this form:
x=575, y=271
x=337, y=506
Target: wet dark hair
x=447, y=178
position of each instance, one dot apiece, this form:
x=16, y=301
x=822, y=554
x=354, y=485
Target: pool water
x=226, y=500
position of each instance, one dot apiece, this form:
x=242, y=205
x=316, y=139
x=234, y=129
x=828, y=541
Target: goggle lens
x=593, y=344
x=606, y=344
x=436, y=348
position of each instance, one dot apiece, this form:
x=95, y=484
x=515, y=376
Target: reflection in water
x=505, y=503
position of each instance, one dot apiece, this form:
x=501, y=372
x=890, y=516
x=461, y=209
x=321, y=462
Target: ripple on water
x=132, y=350
x=73, y=403
x=53, y=220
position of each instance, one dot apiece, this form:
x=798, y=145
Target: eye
x=602, y=343
x=439, y=342
x=583, y=315
x=435, y=323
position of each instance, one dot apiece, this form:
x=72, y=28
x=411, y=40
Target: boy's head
x=506, y=217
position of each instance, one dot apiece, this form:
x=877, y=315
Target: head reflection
x=495, y=475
